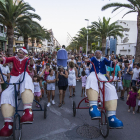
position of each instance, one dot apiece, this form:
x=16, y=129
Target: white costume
x=110, y=90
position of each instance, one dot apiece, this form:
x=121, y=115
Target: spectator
x=126, y=78
x=6, y=74
x=136, y=72
x=62, y=78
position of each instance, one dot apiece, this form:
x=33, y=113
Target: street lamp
x=87, y=35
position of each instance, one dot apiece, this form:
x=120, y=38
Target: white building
x=52, y=44
x=127, y=44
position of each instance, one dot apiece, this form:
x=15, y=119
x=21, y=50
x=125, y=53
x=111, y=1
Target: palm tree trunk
x=103, y=45
x=33, y=41
x=137, y=54
x=10, y=35
x=26, y=41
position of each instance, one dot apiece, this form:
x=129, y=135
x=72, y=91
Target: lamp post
x=87, y=36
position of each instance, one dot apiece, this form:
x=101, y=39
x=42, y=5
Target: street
x=61, y=125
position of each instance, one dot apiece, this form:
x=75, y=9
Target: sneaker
x=27, y=117
x=133, y=112
x=115, y=122
x=49, y=104
x=128, y=110
x=94, y=112
x=53, y=102
x=7, y=130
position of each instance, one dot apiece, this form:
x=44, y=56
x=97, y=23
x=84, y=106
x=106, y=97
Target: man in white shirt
x=136, y=72
x=6, y=74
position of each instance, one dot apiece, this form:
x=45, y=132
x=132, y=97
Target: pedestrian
x=83, y=79
x=1, y=82
x=6, y=74
x=72, y=77
x=138, y=101
x=37, y=90
x=136, y=72
x=131, y=99
x=126, y=78
x=51, y=86
x=80, y=71
x=45, y=72
x=62, y=78
x=87, y=69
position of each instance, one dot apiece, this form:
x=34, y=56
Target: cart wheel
x=17, y=128
x=45, y=110
x=104, y=124
x=74, y=109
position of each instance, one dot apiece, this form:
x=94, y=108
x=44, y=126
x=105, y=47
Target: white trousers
x=8, y=95
x=110, y=91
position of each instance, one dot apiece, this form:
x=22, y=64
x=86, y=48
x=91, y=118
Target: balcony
x=3, y=35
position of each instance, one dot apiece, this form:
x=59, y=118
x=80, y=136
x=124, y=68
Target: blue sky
x=64, y=16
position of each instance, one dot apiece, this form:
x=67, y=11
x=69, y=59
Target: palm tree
x=25, y=29
x=133, y=6
x=103, y=29
x=12, y=15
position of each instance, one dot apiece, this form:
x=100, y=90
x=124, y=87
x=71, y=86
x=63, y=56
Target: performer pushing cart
x=26, y=92
x=110, y=91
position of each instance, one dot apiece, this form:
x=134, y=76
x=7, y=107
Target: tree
x=133, y=6
x=103, y=29
x=12, y=15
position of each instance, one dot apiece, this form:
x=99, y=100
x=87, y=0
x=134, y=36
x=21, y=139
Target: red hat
x=24, y=50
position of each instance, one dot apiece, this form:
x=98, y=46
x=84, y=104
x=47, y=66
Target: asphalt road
x=61, y=125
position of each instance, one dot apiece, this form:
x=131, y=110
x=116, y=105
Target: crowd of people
x=46, y=75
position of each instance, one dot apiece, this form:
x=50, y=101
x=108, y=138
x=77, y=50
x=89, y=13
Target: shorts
x=139, y=103
x=50, y=86
x=126, y=83
x=63, y=87
x=120, y=87
x=3, y=86
x=83, y=84
x=37, y=94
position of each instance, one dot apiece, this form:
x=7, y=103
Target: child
x=138, y=101
x=37, y=91
x=40, y=71
x=83, y=78
x=81, y=69
x=42, y=86
x=87, y=69
x=131, y=99
x=51, y=86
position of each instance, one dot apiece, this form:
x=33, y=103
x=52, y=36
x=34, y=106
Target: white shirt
x=135, y=74
x=5, y=70
x=36, y=87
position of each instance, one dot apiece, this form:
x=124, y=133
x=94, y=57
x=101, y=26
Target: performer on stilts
x=62, y=57
x=26, y=92
x=110, y=91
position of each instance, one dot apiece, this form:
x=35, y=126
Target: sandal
x=70, y=96
x=60, y=104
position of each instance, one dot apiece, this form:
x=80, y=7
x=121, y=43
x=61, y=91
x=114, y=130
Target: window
x=1, y=29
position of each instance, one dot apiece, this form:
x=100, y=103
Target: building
x=127, y=44
x=52, y=44
x=3, y=38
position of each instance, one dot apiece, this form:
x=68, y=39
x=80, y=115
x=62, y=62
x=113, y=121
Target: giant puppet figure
x=110, y=91
x=26, y=91
x=62, y=57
